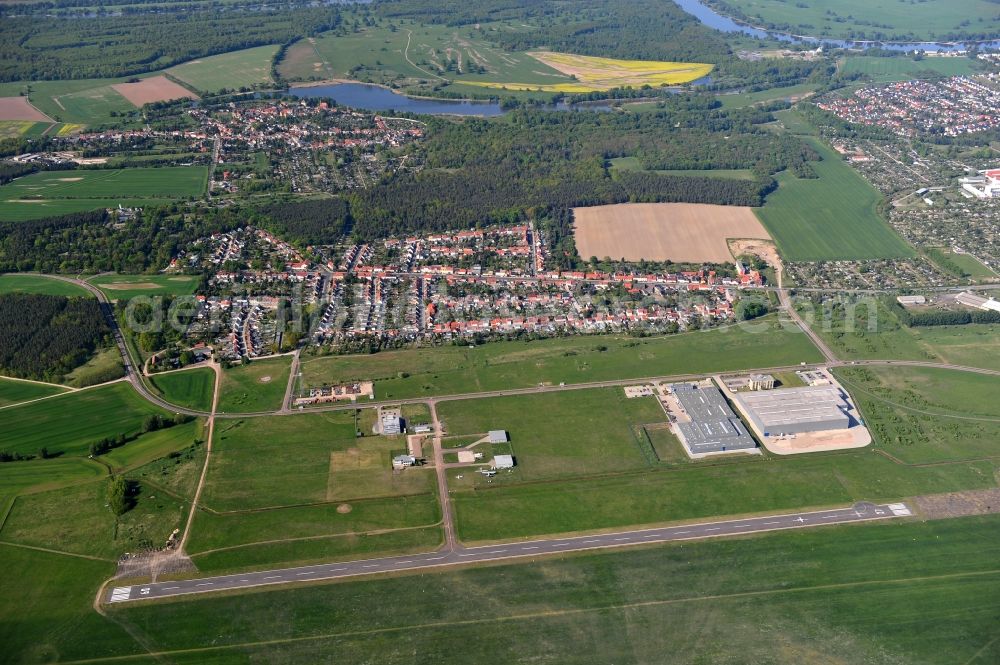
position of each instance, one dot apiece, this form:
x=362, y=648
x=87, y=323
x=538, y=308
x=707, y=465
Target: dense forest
x=36, y=47
x=539, y=164
x=45, y=337
x=88, y=242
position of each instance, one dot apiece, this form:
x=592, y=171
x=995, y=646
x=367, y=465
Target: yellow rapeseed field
x=592, y=73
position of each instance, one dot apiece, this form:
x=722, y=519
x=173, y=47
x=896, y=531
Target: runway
x=860, y=512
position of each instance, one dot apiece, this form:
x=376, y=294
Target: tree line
x=38, y=47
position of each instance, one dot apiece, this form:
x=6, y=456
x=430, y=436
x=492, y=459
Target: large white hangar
x=797, y=410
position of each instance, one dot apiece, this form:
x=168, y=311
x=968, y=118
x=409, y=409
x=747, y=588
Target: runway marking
x=731, y=527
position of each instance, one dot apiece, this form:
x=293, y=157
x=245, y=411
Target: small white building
x=422, y=428
x=498, y=436
x=403, y=461
x=907, y=301
x=503, y=461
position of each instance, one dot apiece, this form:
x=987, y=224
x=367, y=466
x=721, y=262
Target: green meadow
x=560, y=434
x=232, y=71
x=885, y=70
x=924, y=592
x=123, y=287
x=69, y=423
x=257, y=386
x=13, y=391
x=191, y=388
x=867, y=329
x=925, y=415
x=28, y=283
x=51, y=193
x=459, y=369
x=885, y=19
x=832, y=217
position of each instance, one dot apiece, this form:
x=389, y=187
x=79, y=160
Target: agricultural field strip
x=614, y=383
x=861, y=512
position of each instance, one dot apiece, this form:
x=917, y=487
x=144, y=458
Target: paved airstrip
x=860, y=512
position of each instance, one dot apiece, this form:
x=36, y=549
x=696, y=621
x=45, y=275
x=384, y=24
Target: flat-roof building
x=503, y=461
x=391, y=424
x=713, y=427
x=497, y=436
x=797, y=410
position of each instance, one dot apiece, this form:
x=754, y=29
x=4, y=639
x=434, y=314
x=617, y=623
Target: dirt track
x=682, y=232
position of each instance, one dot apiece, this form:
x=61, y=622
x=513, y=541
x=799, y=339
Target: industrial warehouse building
x=713, y=428
x=797, y=410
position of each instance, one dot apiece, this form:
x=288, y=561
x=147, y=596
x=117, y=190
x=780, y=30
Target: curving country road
x=458, y=555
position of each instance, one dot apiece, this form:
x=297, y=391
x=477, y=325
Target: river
x=713, y=19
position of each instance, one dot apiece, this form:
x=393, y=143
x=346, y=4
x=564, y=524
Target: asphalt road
x=860, y=512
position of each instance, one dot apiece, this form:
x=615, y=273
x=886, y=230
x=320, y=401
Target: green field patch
x=787, y=93
x=123, y=287
x=20, y=210
x=86, y=101
x=311, y=458
x=666, y=445
x=13, y=129
x=69, y=423
x=49, y=193
x=573, y=433
x=321, y=550
x=105, y=365
x=154, y=445
x=832, y=217
x=923, y=415
x=871, y=19
x=47, y=610
x=960, y=265
x=497, y=366
x=191, y=388
x=885, y=70
x=633, y=164
x=165, y=182
x=77, y=520
x=697, y=491
x=27, y=283
x=13, y=391
x=232, y=71
x=175, y=473
x=415, y=54
x=257, y=386
x=868, y=330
